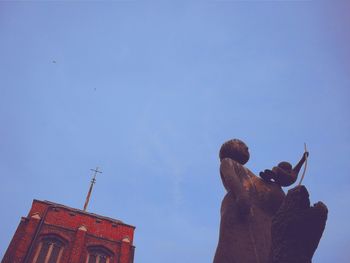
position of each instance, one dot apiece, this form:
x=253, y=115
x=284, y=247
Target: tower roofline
x=112, y=220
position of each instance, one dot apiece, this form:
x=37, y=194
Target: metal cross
x=93, y=181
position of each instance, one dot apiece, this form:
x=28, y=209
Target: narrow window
x=49, y=251
x=92, y=258
x=98, y=255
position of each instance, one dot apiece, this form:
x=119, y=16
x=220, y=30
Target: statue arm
x=297, y=168
x=231, y=174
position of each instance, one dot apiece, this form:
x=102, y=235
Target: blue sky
x=149, y=91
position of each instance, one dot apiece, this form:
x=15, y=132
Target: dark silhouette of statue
x=297, y=228
x=249, y=207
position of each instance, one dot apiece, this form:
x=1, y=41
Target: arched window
x=49, y=250
x=98, y=255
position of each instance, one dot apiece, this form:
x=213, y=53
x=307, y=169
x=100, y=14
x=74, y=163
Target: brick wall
x=78, y=230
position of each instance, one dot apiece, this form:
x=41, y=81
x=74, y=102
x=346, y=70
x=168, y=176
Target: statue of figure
x=249, y=205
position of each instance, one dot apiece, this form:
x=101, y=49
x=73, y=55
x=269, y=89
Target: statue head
x=236, y=150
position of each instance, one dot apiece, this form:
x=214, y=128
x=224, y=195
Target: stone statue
x=249, y=206
x=297, y=228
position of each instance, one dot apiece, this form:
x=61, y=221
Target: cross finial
x=93, y=181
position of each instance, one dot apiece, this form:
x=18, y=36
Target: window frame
x=99, y=251
x=51, y=240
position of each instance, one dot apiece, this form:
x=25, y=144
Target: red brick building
x=54, y=233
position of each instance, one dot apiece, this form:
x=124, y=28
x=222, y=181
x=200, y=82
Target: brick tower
x=54, y=233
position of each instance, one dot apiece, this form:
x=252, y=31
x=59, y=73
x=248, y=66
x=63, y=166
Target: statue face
x=236, y=150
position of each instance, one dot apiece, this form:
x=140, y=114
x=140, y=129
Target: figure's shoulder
x=232, y=167
x=231, y=172
x=229, y=164
x=249, y=172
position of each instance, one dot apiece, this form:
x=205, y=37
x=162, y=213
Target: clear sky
x=149, y=91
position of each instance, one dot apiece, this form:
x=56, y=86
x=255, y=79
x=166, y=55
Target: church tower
x=54, y=233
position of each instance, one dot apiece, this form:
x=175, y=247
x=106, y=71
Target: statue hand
x=267, y=175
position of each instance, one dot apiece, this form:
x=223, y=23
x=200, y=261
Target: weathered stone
x=250, y=205
x=246, y=210
x=297, y=228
